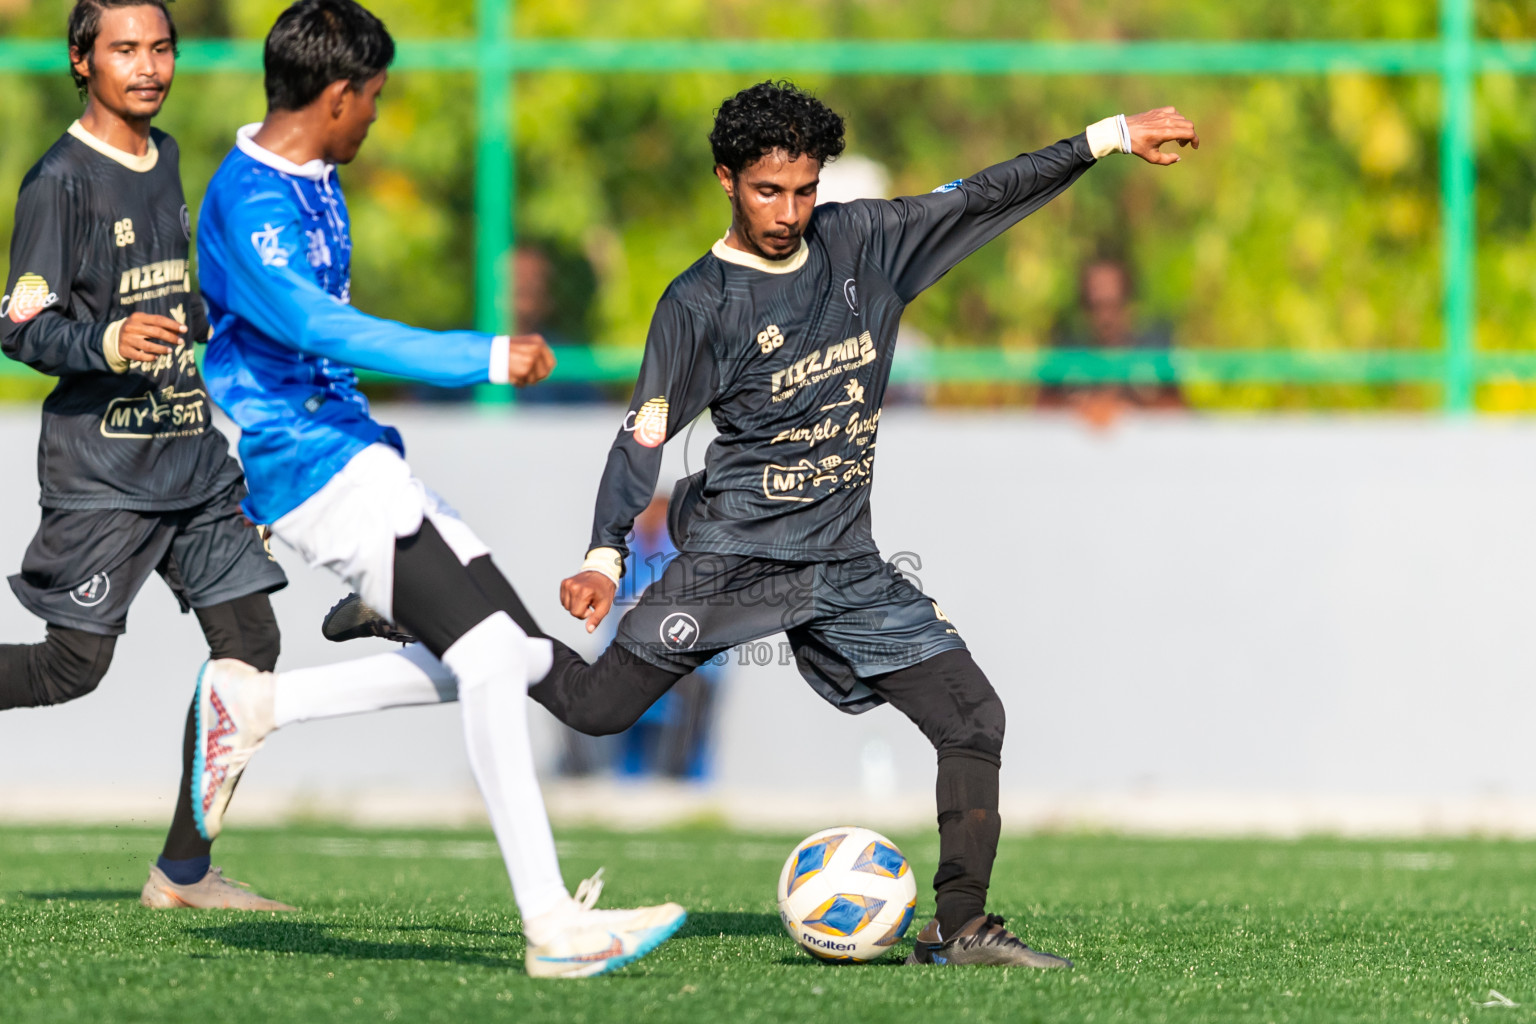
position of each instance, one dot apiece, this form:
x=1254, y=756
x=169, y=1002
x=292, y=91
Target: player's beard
x=755, y=241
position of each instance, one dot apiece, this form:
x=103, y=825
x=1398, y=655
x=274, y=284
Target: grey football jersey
x=792, y=358
x=96, y=240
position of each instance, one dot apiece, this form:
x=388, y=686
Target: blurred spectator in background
x=551, y=296
x=672, y=738
x=1107, y=320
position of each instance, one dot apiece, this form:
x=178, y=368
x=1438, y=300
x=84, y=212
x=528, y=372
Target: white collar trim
x=132, y=161
x=314, y=170
x=747, y=259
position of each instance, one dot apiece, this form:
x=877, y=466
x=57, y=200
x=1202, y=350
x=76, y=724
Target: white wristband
x=1125, y=133
x=501, y=360
x=606, y=561
x=115, y=358
x=1104, y=138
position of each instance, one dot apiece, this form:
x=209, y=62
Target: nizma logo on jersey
x=153, y=280
x=163, y=413
x=823, y=364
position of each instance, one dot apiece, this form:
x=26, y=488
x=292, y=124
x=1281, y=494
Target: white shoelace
x=589, y=890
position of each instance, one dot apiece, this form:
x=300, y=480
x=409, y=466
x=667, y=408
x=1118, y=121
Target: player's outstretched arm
x=261, y=238
x=1152, y=130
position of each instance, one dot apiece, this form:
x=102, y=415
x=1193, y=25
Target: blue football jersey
x=274, y=254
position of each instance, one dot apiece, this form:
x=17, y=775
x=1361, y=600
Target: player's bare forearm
x=588, y=595
x=1151, y=130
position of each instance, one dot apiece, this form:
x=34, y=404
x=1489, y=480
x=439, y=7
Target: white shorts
x=351, y=524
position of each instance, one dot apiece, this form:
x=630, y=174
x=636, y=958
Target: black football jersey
x=101, y=234
x=792, y=357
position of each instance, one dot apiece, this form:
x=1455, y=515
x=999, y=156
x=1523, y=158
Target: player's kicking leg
x=423, y=581
x=949, y=698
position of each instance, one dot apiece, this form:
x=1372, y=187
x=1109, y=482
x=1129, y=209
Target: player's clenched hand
x=531, y=360
x=1165, y=124
x=588, y=595
x=145, y=337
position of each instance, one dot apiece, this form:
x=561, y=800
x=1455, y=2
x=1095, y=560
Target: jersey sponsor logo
x=951, y=186
x=153, y=281
x=649, y=423
x=30, y=297
x=769, y=339
x=859, y=430
x=823, y=364
x=269, y=246
x=162, y=413
x=680, y=631
x=853, y=392
x=122, y=233
x=851, y=295
x=802, y=481
x=93, y=591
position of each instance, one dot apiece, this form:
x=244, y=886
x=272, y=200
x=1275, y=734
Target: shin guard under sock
x=968, y=830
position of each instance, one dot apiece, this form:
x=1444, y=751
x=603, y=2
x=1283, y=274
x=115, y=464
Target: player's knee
x=244, y=629
x=262, y=639
x=977, y=721
x=70, y=664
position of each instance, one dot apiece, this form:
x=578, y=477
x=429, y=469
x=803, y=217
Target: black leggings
x=244, y=629
x=66, y=666
x=948, y=697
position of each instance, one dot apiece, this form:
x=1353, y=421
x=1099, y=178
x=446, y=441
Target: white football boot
x=234, y=716
x=577, y=941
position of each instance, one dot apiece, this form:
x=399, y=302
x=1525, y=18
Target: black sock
x=183, y=842
x=968, y=831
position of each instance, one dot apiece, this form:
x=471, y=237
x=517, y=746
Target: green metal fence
x=1454, y=56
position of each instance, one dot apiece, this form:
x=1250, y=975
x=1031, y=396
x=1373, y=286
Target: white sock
x=397, y=679
x=491, y=665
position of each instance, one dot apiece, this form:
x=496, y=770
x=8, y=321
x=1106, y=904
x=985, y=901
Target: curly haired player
x=785, y=331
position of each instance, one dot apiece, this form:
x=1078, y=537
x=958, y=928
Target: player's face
x=772, y=201
x=354, y=113
x=130, y=69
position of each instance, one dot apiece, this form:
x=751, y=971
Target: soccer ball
x=847, y=895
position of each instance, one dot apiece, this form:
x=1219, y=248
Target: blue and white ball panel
x=847, y=895
x=843, y=914
x=813, y=858
x=881, y=858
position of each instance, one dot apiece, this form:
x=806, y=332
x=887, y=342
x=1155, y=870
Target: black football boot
x=982, y=941
x=350, y=619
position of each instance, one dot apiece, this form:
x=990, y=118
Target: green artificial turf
x=419, y=926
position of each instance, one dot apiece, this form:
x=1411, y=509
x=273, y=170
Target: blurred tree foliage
x=1309, y=220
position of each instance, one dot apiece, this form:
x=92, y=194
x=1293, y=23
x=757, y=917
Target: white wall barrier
x=1229, y=624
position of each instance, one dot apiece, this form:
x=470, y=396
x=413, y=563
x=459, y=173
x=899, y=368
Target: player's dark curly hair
x=317, y=42
x=85, y=26
x=770, y=116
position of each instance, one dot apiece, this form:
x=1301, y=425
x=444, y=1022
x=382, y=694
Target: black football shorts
x=845, y=621
x=85, y=566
